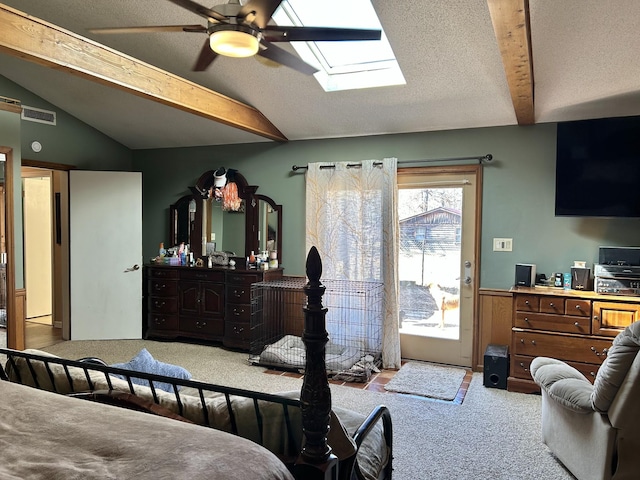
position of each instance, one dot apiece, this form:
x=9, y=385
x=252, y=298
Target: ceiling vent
x=32, y=114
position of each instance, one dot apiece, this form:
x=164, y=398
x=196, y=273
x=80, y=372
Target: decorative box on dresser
x=573, y=326
x=211, y=304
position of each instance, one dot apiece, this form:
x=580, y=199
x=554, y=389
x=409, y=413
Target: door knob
x=132, y=269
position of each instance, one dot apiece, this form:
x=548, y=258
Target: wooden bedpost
x=316, y=460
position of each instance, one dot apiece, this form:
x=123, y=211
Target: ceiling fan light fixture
x=235, y=41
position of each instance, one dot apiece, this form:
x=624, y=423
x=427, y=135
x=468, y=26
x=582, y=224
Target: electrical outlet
x=503, y=244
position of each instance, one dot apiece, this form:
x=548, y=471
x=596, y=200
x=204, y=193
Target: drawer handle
x=526, y=302
x=577, y=324
x=159, y=321
x=160, y=287
x=237, y=329
x=533, y=342
x=238, y=313
x=551, y=304
x=523, y=367
x=238, y=294
x=159, y=304
x=593, y=374
x=522, y=340
x=578, y=307
x=526, y=319
x=201, y=324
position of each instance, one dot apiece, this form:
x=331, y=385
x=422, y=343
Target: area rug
x=427, y=380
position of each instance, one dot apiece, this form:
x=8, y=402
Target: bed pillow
x=144, y=362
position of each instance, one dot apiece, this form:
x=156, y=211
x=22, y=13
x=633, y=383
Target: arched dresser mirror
x=201, y=220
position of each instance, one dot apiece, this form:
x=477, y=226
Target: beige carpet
x=427, y=380
x=492, y=435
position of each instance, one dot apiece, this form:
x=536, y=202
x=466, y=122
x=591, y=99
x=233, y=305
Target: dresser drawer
x=158, y=321
x=562, y=347
x=553, y=323
x=204, y=326
x=528, y=303
x=578, y=308
x=163, y=287
x=163, y=304
x=552, y=305
x=238, y=330
x=202, y=274
x=240, y=312
x=162, y=273
x=238, y=293
x=521, y=368
x=237, y=334
x=243, y=279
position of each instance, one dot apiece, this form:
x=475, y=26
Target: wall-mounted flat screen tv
x=598, y=168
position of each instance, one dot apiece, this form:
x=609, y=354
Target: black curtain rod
x=483, y=158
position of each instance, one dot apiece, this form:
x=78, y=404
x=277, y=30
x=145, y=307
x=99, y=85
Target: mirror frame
x=247, y=193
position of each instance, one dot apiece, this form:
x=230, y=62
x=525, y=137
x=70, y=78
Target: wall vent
x=33, y=114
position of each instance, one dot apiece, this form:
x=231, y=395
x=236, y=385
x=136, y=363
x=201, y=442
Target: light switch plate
x=503, y=244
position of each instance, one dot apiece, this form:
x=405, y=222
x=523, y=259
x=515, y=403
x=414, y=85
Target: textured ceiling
x=585, y=65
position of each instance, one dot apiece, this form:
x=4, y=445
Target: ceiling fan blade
x=259, y=12
x=206, y=57
x=283, y=57
x=200, y=10
x=317, y=34
x=148, y=29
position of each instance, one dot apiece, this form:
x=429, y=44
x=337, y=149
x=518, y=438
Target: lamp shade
x=237, y=41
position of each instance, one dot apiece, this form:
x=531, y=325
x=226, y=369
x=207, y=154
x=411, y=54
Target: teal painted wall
x=518, y=191
x=69, y=142
x=517, y=195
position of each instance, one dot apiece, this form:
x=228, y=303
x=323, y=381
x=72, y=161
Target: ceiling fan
x=237, y=30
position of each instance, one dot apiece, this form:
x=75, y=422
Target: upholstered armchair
x=594, y=430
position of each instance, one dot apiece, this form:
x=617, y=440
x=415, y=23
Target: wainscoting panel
x=494, y=321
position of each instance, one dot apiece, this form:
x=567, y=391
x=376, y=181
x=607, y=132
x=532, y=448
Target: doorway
x=44, y=270
x=438, y=213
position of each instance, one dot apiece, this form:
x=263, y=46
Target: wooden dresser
x=573, y=326
x=212, y=304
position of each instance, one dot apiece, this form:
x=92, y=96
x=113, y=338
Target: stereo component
x=617, y=279
x=619, y=255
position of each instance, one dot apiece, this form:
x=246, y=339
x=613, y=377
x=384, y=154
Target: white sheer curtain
x=351, y=218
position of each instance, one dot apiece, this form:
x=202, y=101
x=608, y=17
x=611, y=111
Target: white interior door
x=105, y=223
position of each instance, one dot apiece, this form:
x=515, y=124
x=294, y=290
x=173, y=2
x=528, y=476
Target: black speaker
x=580, y=278
x=496, y=366
x=525, y=275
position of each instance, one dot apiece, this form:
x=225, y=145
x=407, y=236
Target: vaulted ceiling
x=467, y=63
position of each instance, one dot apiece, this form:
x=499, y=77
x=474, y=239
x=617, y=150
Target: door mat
x=427, y=380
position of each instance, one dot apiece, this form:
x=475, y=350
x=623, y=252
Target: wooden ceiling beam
x=513, y=32
x=35, y=40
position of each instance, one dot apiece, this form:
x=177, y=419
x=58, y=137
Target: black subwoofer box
x=496, y=366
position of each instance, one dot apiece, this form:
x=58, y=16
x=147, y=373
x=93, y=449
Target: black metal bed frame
x=315, y=460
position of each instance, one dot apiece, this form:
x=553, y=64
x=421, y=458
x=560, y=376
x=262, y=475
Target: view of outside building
x=429, y=261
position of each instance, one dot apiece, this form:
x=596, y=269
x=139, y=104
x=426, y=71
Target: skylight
x=343, y=65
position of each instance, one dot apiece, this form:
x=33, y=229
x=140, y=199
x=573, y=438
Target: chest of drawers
x=212, y=304
x=576, y=327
